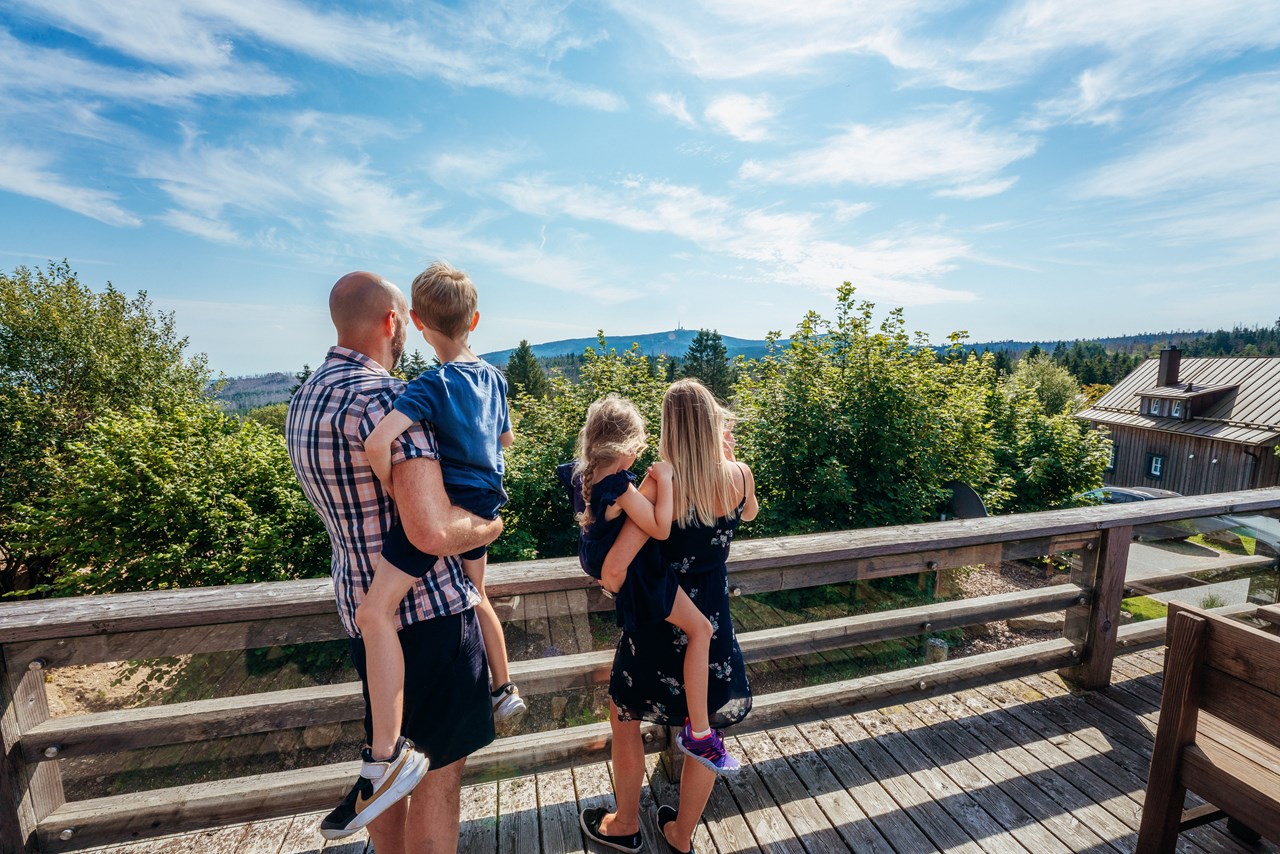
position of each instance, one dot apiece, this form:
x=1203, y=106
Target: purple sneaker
x=708, y=751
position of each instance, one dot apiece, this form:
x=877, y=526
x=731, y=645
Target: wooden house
x=1195, y=425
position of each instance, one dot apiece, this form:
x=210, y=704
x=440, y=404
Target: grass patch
x=1145, y=608
x=1241, y=545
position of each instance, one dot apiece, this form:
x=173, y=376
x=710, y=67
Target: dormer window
x=1155, y=406
x=1175, y=409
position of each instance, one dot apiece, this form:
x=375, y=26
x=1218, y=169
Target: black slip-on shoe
x=666, y=815
x=590, y=819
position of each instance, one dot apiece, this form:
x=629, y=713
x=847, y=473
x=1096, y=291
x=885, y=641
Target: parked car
x=1127, y=494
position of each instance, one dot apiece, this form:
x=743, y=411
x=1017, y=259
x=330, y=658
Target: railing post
x=1093, y=624
x=672, y=758
x=28, y=792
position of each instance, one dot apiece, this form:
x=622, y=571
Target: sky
x=1026, y=169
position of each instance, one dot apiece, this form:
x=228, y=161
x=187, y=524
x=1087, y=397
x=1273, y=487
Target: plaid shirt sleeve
x=417, y=441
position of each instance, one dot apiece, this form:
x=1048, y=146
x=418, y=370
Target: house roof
x=1248, y=415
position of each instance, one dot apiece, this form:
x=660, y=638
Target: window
x=1155, y=406
x=1155, y=466
x=1111, y=458
x=1175, y=409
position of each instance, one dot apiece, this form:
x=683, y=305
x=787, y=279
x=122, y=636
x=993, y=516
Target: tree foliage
x=525, y=374
x=1052, y=385
x=187, y=498
x=120, y=472
x=708, y=360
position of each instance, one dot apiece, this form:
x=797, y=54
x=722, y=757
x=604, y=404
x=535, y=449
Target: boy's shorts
x=410, y=560
x=447, y=710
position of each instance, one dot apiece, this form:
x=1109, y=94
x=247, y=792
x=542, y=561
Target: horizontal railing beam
x=202, y=720
x=763, y=564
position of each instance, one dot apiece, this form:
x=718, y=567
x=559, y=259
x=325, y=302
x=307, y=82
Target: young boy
x=466, y=401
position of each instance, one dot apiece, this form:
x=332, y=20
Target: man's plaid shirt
x=329, y=419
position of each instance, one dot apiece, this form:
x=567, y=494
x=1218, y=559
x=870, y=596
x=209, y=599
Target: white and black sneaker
x=379, y=785
x=508, y=707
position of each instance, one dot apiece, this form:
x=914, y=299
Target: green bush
x=188, y=498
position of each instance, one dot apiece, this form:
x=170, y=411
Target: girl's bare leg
x=697, y=628
x=384, y=660
x=495, y=641
x=696, y=783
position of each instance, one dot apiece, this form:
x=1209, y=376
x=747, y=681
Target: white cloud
x=502, y=46
x=737, y=39
x=801, y=249
x=741, y=116
x=1136, y=48
x=947, y=147
x=1226, y=135
x=28, y=173
x=674, y=105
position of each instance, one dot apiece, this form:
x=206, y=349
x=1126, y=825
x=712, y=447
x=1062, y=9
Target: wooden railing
x=37, y=636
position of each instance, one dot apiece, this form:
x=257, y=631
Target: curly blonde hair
x=614, y=428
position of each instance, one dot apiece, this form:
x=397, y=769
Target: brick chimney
x=1170, y=359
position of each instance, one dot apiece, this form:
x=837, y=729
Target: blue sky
x=1041, y=169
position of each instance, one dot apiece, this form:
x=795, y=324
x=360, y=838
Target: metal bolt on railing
x=51, y=751
x=1083, y=600
x=931, y=564
x=67, y=833
x=926, y=626
x=735, y=591
x=37, y=664
x=648, y=738
x=920, y=685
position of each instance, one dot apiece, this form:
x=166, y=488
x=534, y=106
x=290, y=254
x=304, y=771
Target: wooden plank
x=726, y=825
x=848, y=819
x=808, y=822
x=478, y=814
x=910, y=796
x=33, y=791
x=1104, y=572
x=558, y=811
x=872, y=799
x=159, y=643
x=766, y=821
x=999, y=761
x=1005, y=810
x=593, y=786
x=771, y=560
x=1239, y=650
x=517, y=814
x=1077, y=792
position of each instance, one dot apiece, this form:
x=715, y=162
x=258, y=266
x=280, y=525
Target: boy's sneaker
x=379, y=785
x=708, y=751
x=508, y=707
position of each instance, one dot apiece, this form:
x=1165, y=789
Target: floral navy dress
x=648, y=667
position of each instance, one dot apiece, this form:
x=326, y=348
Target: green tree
x=299, y=378
x=272, y=415
x=191, y=497
x=708, y=360
x=69, y=355
x=411, y=365
x=1053, y=385
x=539, y=520
x=525, y=374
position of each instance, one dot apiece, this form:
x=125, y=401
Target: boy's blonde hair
x=614, y=428
x=692, y=441
x=445, y=299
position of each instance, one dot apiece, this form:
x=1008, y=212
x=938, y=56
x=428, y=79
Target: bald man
x=447, y=710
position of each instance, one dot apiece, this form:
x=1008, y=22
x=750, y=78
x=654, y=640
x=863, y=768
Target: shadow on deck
x=1018, y=766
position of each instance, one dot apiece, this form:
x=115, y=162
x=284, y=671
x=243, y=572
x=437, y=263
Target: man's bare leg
x=432, y=826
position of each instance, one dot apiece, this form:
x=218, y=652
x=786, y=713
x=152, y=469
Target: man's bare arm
x=433, y=524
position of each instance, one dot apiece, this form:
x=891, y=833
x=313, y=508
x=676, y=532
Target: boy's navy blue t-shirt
x=466, y=402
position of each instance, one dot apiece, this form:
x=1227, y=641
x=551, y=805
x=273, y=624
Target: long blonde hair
x=692, y=441
x=614, y=428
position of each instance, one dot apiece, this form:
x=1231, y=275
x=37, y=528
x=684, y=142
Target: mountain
x=240, y=394
x=672, y=343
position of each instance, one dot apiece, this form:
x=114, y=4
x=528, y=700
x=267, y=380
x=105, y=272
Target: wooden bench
x=1219, y=731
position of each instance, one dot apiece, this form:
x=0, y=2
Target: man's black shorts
x=447, y=709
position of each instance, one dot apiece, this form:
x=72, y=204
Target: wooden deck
x=1019, y=766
